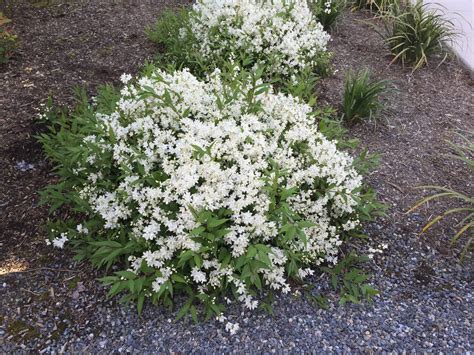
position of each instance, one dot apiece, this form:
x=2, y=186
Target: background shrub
x=361, y=95
x=282, y=36
x=175, y=49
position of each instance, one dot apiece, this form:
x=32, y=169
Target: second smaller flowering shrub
x=285, y=36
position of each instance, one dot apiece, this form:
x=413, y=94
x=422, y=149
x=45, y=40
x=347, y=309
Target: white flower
x=159, y=281
x=232, y=328
x=198, y=275
x=82, y=229
x=125, y=78
x=60, y=241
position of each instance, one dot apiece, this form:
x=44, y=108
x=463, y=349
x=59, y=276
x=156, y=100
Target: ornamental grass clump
x=282, y=35
x=465, y=208
x=415, y=33
x=204, y=188
x=361, y=96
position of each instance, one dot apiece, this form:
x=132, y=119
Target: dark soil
x=70, y=43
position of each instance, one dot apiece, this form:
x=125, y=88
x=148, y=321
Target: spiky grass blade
x=361, y=95
x=463, y=152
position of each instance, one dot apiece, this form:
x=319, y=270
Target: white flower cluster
x=177, y=144
x=280, y=32
x=58, y=242
x=327, y=7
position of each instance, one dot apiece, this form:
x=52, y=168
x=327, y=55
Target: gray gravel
x=426, y=305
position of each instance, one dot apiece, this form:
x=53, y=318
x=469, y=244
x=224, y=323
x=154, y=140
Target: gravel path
x=426, y=305
x=50, y=304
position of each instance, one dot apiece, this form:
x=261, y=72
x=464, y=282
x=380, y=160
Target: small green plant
x=327, y=11
x=351, y=280
x=361, y=95
x=465, y=153
x=414, y=33
x=348, y=279
x=8, y=41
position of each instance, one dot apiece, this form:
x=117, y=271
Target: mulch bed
x=66, y=44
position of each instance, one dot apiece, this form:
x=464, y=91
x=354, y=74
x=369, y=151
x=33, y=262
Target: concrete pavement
x=461, y=13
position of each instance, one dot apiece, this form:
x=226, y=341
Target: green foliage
x=62, y=144
x=361, y=96
x=377, y=5
x=328, y=15
x=318, y=300
x=8, y=40
x=464, y=152
x=301, y=85
x=350, y=280
x=174, y=38
x=415, y=33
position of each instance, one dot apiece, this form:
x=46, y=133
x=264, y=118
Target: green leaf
x=334, y=281
x=182, y=312
x=131, y=285
x=241, y=261
x=178, y=278
x=197, y=231
x=194, y=314
x=198, y=260
x=226, y=260
x=216, y=222
x=115, y=289
x=251, y=251
x=257, y=282
x=263, y=248
x=141, y=300
x=262, y=256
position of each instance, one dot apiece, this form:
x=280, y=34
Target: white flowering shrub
x=201, y=187
x=283, y=35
